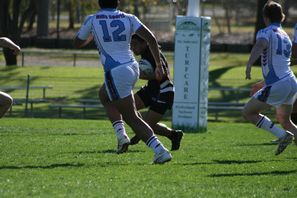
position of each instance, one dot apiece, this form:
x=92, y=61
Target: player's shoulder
x=265, y=30
x=126, y=13
x=264, y=33
x=89, y=18
x=129, y=16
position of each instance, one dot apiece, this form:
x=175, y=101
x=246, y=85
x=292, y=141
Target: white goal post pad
x=192, y=46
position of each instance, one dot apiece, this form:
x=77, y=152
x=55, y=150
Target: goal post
x=193, y=8
x=192, y=46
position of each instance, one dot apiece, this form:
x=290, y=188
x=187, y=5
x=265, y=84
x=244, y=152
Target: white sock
x=119, y=129
x=155, y=144
x=266, y=124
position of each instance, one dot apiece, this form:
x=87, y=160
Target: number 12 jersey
x=112, y=30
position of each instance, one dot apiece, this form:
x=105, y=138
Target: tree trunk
x=227, y=17
x=42, y=21
x=29, y=14
x=4, y=17
x=8, y=29
x=136, y=8
x=260, y=21
x=71, y=15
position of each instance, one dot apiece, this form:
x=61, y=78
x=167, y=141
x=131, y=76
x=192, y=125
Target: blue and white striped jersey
x=112, y=30
x=276, y=57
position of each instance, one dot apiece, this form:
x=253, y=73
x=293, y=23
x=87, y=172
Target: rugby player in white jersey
x=5, y=99
x=112, y=30
x=280, y=83
x=155, y=95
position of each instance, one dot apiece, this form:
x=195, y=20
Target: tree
x=71, y=6
x=29, y=14
x=260, y=21
x=42, y=21
x=9, y=27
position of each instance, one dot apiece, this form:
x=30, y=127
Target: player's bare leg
x=116, y=120
x=251, y=113
x=5, y=103
x=152, y=118
x=283, y=115
x=252, y=110
x=127, y=108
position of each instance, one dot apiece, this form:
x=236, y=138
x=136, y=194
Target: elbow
x=77, y=43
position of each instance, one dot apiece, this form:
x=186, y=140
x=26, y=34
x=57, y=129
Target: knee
x=246, y=114
x=285, y=123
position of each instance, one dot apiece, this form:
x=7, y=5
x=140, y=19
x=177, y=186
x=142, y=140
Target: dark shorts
x=159, y=102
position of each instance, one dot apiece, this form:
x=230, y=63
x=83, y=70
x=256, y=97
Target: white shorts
x=281, y=92
x=120, y=81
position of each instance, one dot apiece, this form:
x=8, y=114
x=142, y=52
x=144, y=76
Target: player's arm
x=257, y=50
x=6, y=42
x=84, y=35
x=80, y=43
x=148, y=36
x=147, y=76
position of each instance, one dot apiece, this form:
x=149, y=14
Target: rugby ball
x=145, y=67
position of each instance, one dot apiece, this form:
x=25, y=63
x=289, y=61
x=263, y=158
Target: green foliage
x=76, y=158
x=89, y=6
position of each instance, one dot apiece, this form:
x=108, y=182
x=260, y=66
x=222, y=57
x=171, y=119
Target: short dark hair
x=108, y=3
x=274, y=12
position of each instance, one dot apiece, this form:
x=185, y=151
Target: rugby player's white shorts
x=120, y=81
x=278, y=93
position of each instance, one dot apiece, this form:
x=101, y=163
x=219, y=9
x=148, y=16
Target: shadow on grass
x=258, y=144
x=271, y=173
x=89, y=93
x=228, y=162
x=225, y=95
x=107, y=151
x=217, y=74
x=51, y=166
x=237, y=161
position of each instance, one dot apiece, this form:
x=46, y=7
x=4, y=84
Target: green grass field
x=70, y=84
x=75, y=83
x=76, y=158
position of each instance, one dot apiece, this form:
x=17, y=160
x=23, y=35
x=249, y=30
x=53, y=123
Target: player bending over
x=112, y=30
x=5, y=99
x=157, y=95
x=280, y=83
